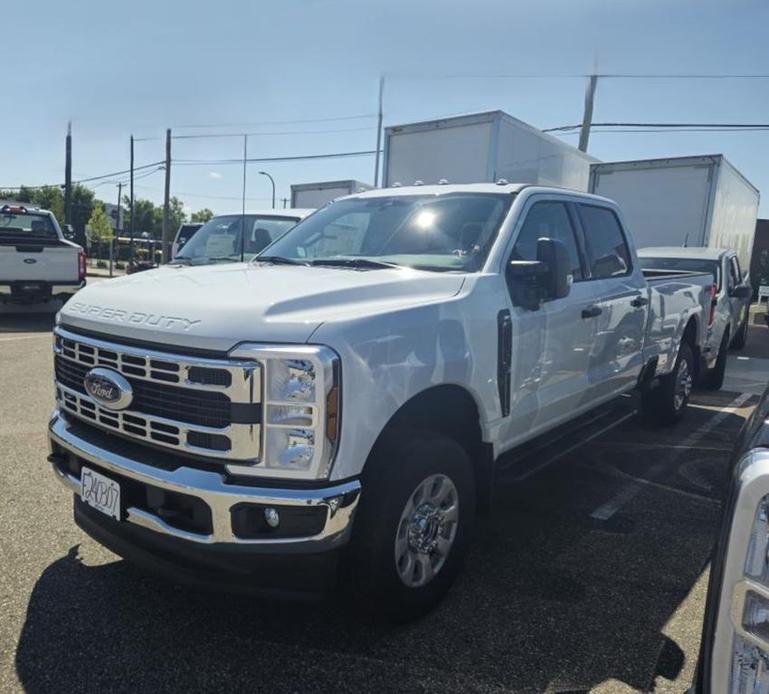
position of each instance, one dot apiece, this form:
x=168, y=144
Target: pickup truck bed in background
x=37, y=263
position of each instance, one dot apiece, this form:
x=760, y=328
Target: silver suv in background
x=730, y=307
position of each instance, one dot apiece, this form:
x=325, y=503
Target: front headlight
x=737, y=658
x=300, y=410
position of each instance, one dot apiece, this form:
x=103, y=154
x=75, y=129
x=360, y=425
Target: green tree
x=176, y=216
x=82, y=206
x=99, y=227
x=144, y=214
x=50, y=198
x=201, y=215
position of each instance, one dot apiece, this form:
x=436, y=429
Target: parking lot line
x=608, y=509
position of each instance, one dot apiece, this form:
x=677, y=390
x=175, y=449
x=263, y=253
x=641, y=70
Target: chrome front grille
x=205, y=406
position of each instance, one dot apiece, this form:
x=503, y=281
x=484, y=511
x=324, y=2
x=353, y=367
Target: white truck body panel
x=315, y=195
x=686, y=201
x=481, y=147
x=58, y=264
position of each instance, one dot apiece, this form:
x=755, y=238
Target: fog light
x=755, y=618
x=750, y=669
x=271, y=517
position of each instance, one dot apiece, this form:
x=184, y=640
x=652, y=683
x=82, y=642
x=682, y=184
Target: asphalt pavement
x=589, y=575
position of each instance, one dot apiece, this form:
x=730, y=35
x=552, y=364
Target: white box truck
x=481, y=148
x=314, y=195
x=683, y=201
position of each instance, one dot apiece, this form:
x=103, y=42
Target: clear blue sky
x=117, y=69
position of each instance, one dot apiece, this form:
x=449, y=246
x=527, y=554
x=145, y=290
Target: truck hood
x=216, y=307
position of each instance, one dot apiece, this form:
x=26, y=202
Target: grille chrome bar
x=243, y=385
x=229, y=383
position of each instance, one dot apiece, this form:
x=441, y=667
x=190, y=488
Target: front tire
x=666, y=404
x=412, y=526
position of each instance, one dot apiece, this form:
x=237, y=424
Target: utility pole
x=132, y=228
x=166, y=202
x=243, y=202
x=68, y=176
x=117, y=229
x=587, y=117
x=378, y=133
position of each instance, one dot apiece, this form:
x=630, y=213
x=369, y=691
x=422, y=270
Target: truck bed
x=676, y=298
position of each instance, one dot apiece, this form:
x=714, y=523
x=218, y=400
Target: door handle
x=591, y=311
x=639, y=301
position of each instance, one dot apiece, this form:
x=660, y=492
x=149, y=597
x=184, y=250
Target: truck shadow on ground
x=26, y=322
x=551, y=598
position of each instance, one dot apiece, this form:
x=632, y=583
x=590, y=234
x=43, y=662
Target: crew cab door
x=738, y=306
x=550, y=345
x=616, y=357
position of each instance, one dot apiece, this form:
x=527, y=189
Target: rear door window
x=607, y=249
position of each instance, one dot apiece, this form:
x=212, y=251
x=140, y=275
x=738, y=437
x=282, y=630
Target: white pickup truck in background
x=730, y=300
x=37, y=264
x=345, y=396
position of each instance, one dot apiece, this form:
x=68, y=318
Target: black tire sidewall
x=391, y=476
x=714, y=379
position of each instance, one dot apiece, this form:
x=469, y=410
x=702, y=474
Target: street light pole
x=272, y=180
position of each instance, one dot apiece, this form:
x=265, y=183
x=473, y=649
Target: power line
x=203, y=195
x=118, y=173
x=671, y=126
x=603, y=75
x=303, y=157
x=277, y=122
x=282, y=132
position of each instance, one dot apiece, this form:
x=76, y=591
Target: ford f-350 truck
x=342, y=399
x=37, y=264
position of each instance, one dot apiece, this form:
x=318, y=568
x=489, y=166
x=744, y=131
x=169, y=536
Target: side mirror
x=741, y=292
x=549, y=277
x=554, y=255
x=68, y=232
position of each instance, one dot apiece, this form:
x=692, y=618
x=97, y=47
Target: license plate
x=100, y=492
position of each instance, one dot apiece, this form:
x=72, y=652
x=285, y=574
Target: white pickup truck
x=37, y=263
x=345, y=396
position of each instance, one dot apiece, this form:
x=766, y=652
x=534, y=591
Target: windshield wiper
x=278, y=260
x=181, y=260
x=223, y=258
x=357, y=263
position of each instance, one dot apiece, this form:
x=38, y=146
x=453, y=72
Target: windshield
x=219, y=239
x=454, y=231
x=26, y=226
x=689, y=264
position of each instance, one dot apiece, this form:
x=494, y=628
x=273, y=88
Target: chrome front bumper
x=340, y=501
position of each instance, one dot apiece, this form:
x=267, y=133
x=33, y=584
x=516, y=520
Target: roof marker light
x=502, y=182
x=443, y=182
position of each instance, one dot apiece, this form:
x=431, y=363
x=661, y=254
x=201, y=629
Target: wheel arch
x=452, y=411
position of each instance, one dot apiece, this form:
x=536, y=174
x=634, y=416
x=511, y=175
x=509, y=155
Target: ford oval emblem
x=30, y=261
x=108, y=388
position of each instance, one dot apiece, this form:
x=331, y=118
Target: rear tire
x=742, y=335
x=666, y=404
x=714, y=379
x=412, y=526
